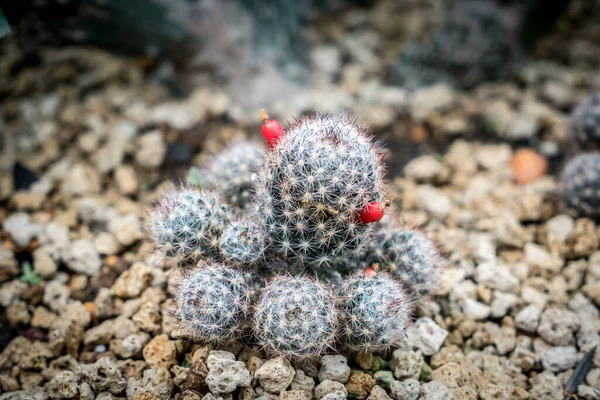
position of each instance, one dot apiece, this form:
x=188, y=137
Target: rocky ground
x=84, y=303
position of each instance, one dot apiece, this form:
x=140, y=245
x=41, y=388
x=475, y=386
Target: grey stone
x=327, y=387
x=335, y=368
x=409, y=389
x=302, y=382
x=407, y=364
x=435, y=390
x=20, y=228
x=103, y=375
x=528, y=318
x=225, y=376
x=81, y=257
x=558, y=359
x=557, y=326
x=378, y=393
x=215, y=356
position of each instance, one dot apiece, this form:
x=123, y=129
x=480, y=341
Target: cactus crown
x=295, y=317
x=314, y=182
x=242, y=242
x=213, y=301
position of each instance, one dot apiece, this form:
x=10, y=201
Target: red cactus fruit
x=373, y=212
x=271, y=129
x=370, y=273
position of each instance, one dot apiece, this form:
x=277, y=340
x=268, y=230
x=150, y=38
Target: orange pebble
x=527, y=166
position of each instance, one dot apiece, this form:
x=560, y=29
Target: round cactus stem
x=271, y=129
x=373, y=212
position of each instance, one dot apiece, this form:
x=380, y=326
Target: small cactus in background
x=242, y=242
x=230, y=172
x=373, y=311
x=585, y=122
x=213, y=302
x=315, y=182
x=295, y=317
x=581, y=185
x=408, y=254
x=187, y=223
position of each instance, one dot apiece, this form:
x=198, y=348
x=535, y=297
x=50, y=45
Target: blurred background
x=97, y=77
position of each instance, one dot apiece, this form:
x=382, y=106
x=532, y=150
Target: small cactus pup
x=213, y=302
x=186, y=224
x=230, y=172
x=374, y=310
x=320, y=188
x=585, y=122
x=243, y=242
x=295, y=317
x=581, y=185
x=407, y=254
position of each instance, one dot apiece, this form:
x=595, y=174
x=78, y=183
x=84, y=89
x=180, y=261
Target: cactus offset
x=581, y=185
x=187, y=223
x=295, y=317
x=230, y=172
x=315, y=181
x=213, y=302
x=373, y=311
x=242, y=242
x=408, y=254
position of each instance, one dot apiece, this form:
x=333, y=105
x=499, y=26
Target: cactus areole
x=271, y=129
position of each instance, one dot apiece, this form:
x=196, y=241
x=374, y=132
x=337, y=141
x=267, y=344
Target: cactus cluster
x=318, y=196
x=581, y=185
x=585, y=122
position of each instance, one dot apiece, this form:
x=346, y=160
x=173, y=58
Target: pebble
x=407, y=364
x=430, y=99
x=527, y=166
x=127, y=229
x=160, y=352
x=303, y=382
x=427, y=169
x=133, y=281
x=215, y=356
x=378, y=393
x=66, y=385
x=126, y=180
x=435, y=390
x=275, y=375
x=103, y=375
x=359, y=385
x=106, y=244
x=327, y=387
x=434, y=201
x=20, y=228
x=496, y=276
x=475, y=310
x=151, y=150
x=409, y=389
x=502, y=303
x=335, y=368
x=426, y=336
x=557, y=327
x=560, y=358
x=528, y=318
x=44, y=264
x=226, y=376
x=538, y=257
x=459, y=374
x=546, y=386
x=81, y=257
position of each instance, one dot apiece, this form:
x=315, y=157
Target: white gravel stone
x=81, y=257
x=409, y=389
x=328, y=387
x=426, y=336
x=434, y=201
x=558, y=359
x=435, y=390
x=528, y=318
x=20, y=228
x=215, y=356
x=496, y=276
x=475, y=310
x=407, y=364
x=275, y=375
